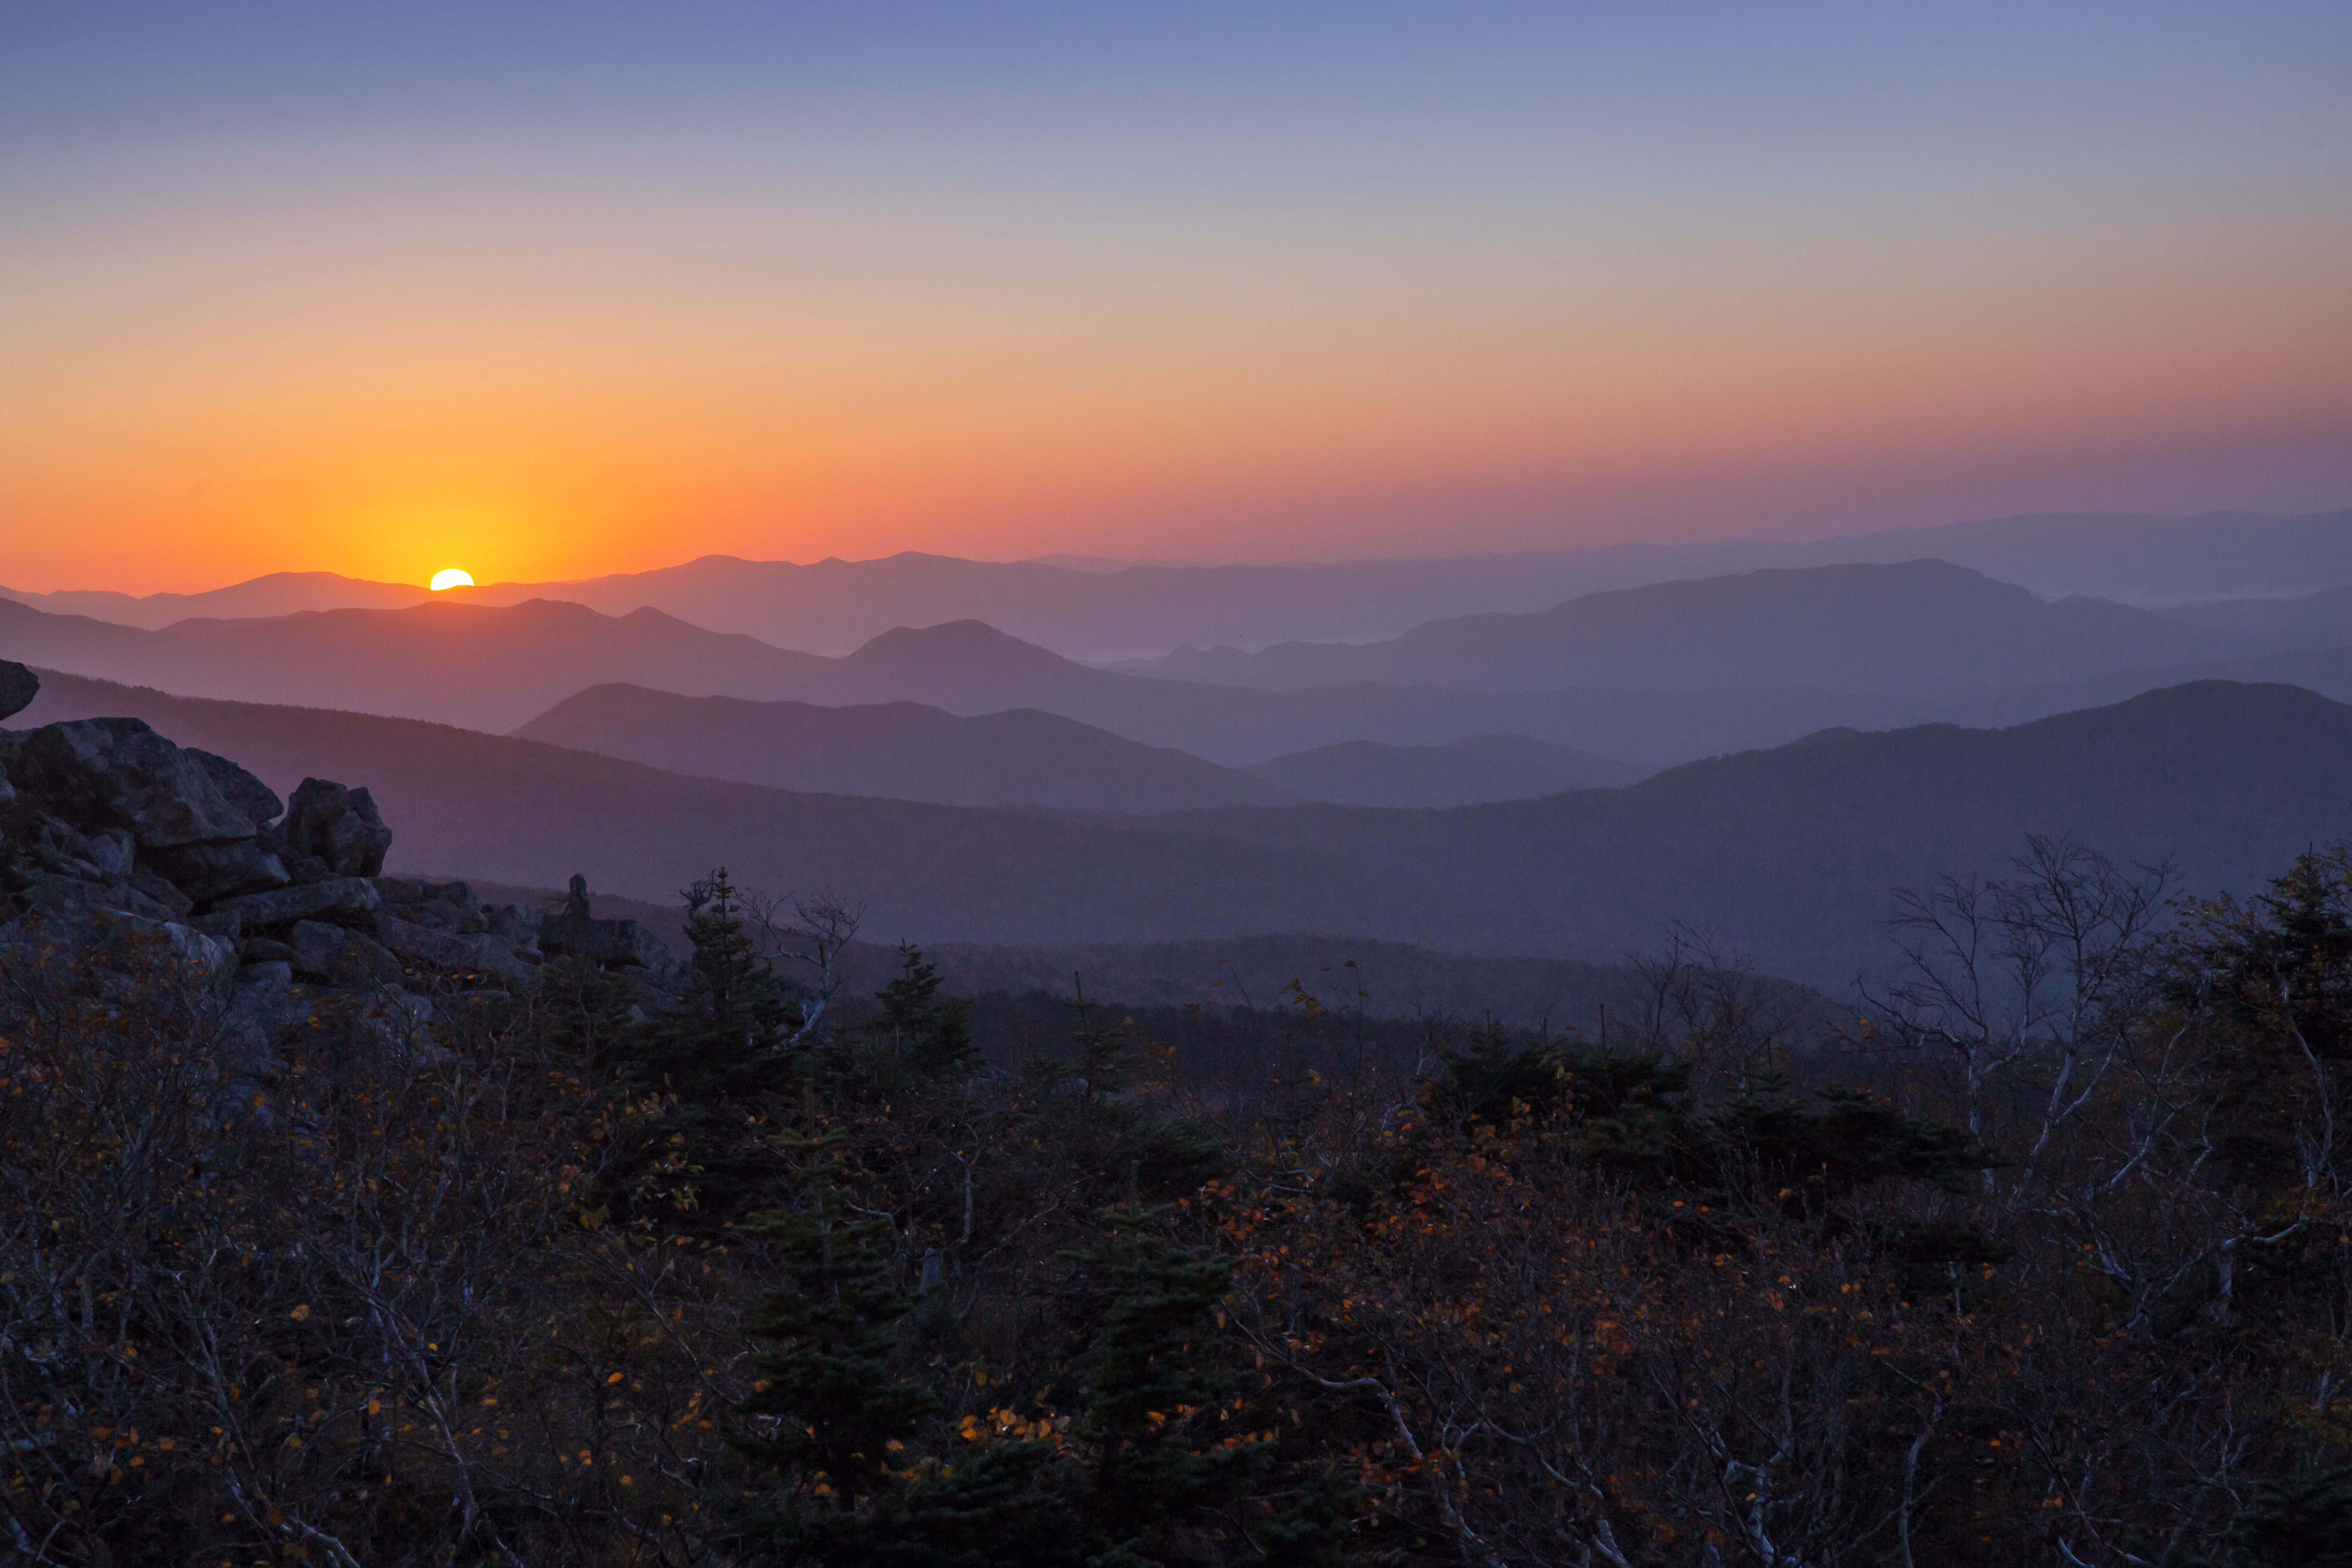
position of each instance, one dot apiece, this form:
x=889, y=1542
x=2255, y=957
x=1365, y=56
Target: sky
x=544, y=291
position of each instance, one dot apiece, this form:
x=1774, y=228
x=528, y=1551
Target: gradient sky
x=544, y=290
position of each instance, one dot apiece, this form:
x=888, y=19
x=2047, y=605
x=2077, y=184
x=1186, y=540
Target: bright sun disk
x=452, y=578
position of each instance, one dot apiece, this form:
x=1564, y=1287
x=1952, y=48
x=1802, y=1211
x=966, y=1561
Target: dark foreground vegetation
x=2042, y=1259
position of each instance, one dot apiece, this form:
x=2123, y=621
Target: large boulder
x=18, y=687
x=97, y=775
x=188, y=817
x=338, y=825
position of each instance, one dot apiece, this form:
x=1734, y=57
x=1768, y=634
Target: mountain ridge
x=1790, y=856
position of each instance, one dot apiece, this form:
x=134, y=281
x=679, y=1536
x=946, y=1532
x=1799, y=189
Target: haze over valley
x=1873, y=726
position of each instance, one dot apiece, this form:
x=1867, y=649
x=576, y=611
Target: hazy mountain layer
x=2278, y=624
x=497, y=668
x=906, y=750
x=1790, y=856
x=1464, y=773
x=1921, y=625
x=901, y=749
x=831, y=606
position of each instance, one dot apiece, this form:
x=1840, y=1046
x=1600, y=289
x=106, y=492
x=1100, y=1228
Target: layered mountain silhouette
x=1103, y=610
x=905, y=750
x=493, y=668
x=2278, y=624
x=1791, y=855
x=1920, y=626
x=909, y=751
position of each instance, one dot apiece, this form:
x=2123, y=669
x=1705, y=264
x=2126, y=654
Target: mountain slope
x=901, y=749
x=465, y=803
x=1791, y=853
x=1468, y=772
x=1920, y=626
x=1790, y=856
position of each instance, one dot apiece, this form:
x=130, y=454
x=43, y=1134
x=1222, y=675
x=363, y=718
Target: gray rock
x=264, y=949
x=101, y=774
x=255, y=801
x=449, y=953
x=163, y=893
x=340, y=957
x=209, y=871
x=572, y=931
x=18, y=687
x=339, y=895
x=340, y=825
x=517, y=925
x=112, y=852
x=54, y=893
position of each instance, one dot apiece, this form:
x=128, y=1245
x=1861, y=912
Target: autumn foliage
x=2039, y=1256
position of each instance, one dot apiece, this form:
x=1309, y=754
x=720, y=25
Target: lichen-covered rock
x=18, y=687
x=340, y=825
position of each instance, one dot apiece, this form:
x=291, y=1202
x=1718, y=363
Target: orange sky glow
x=538, y=355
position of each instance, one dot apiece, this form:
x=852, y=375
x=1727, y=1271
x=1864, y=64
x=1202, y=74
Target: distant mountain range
x=1789, y=854
x=495, y=669
x=1917, y=627
x=1143, y=611
x=906, y=751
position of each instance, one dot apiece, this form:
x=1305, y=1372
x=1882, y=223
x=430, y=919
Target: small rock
x=339, y=825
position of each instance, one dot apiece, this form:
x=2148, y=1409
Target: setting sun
x=452, y=578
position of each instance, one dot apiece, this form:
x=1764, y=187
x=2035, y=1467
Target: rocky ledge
x=112, y=834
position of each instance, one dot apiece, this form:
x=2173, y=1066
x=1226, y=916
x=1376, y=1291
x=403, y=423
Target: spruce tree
x=1154, y=1378
x=839, y=1406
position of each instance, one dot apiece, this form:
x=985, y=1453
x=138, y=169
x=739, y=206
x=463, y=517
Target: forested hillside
x=1989, y=1276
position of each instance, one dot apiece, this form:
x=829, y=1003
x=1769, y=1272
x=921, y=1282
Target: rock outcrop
x=111, y=835
x=18, y=687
